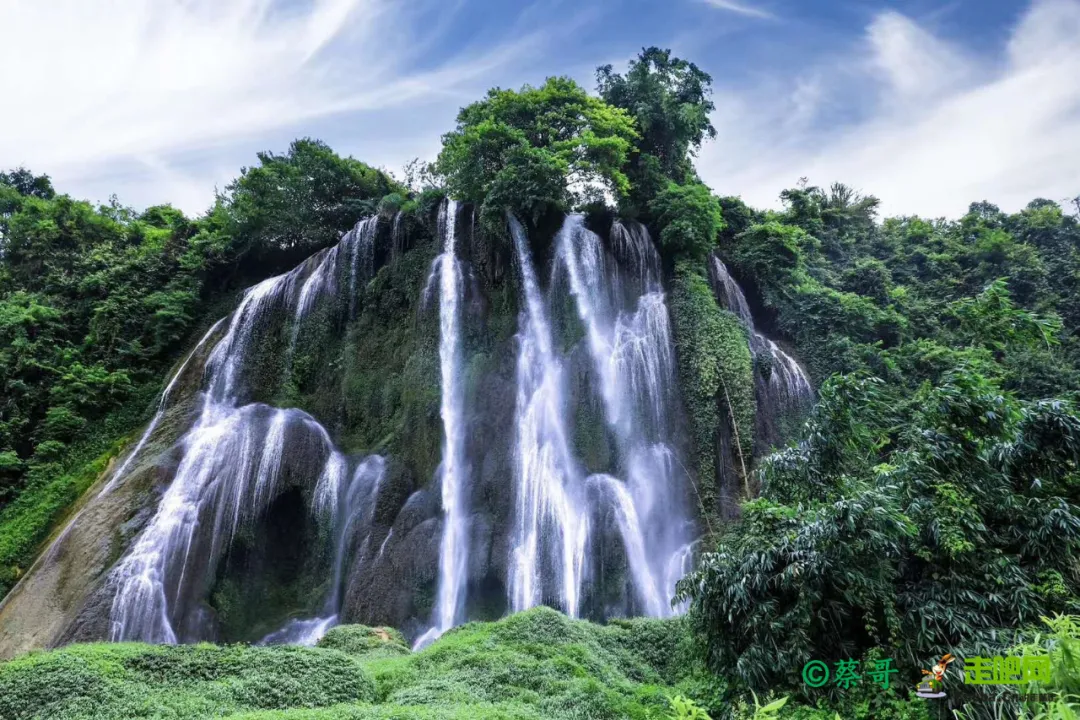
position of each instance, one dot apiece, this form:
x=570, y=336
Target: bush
x=689, y=220
x=365, y=641
x=715, y=376
x=134, y=680
x=534, y=665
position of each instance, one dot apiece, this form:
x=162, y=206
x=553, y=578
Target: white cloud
x=742, y=8
x=926, y=126
x=139, y=83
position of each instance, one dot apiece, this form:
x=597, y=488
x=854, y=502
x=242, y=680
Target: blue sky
x=929, y=104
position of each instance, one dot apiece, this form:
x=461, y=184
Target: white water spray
x=633, y=358
x=788, y=386
x=453, y=550
x=551, y=526
x=233, y=460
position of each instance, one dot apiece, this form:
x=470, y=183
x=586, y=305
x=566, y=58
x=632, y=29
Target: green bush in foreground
x=366, y=642
x=537, y=664
x=191, y=681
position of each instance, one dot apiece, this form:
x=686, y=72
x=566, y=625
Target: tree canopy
x=537, y=150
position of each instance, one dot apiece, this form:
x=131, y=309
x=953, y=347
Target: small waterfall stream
x=346, y=505
x=626, y=323
x=786, y=390
x=622, y=310
x=453, y=550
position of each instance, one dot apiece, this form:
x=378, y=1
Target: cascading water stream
x=453, y=549
x=551, y=523
x=626, y=515
x=788, y=387
x=633, y=357
x=232, y=464
x=346, y=504
x=121, y=472
x=361, y=242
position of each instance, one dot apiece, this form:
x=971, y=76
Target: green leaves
x=689, y=219
x=292, y=205
x=670, y=100
x=683, y=708
x=992, y=319
x=717, y=384
x=535, y=150
x=936, y=521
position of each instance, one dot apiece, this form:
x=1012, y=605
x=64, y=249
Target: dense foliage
x=715, y=374
x=670, y=100
x=536, y=151
x=537, y=664
x=932, y=503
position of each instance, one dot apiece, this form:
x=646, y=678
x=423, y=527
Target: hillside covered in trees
x=873, y=424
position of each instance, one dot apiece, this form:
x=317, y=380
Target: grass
x=537, y=664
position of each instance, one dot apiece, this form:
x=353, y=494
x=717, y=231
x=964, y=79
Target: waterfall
x=626, y=524
x=786, y=390
x=233, y=460
x=121, y=472
x=626, y=325
x=634, y=543
x=729, y=293
x=397, y=237
x=319, y=281
x=453, y=550
x=550, y=508
x=361, y=241
x=357, y=249
x=347, y=504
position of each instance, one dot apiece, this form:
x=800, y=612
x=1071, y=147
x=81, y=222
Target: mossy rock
x=716, y=378
x=366, y=642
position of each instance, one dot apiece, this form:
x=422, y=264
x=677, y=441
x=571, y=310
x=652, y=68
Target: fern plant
x=683, y=708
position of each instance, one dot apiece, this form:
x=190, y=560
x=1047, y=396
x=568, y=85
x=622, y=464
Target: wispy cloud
x=138, y=81
x=742, y=8
x=914, y=119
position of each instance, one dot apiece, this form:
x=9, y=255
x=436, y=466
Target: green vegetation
x=525, y=151
x=366, y=642
x=537, y=664
x=670, y=100
x=716, y=377
x=932, y=501
x=194, y=681
x=689, y=218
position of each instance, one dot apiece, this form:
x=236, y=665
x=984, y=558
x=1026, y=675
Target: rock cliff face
x=293, y=474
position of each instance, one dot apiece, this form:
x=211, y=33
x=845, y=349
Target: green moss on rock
x=715, y=375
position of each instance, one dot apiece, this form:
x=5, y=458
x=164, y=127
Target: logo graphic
x=933, y=684
x=1010, y=670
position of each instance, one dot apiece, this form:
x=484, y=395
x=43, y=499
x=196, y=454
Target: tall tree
x=671, y=101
